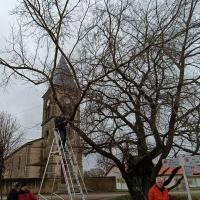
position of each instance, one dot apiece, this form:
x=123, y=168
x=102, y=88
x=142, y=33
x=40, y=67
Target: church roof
x=24, y=145
x=63, y=76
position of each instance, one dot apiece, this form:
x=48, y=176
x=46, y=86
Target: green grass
x=124, y=197
x=183, y=196
x=121, y=190
x=173, y=196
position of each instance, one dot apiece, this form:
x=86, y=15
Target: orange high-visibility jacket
x=156, y=194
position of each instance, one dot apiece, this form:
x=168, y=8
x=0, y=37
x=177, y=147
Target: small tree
x=94, y=172
x=10, y=137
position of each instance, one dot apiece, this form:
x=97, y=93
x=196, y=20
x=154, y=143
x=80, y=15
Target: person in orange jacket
x=158, y=191
x=25, y=194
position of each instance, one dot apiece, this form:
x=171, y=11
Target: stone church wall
x=28, y=161
x=25, y=162
x=94, y=184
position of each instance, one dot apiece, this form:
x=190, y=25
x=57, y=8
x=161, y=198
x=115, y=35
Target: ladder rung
x=55, y=152
x=69, y=165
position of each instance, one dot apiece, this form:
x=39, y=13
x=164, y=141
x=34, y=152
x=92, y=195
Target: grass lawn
x=173, y=196
x=183, y=195
x=124, y=197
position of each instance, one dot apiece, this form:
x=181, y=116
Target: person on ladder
x=61, y=127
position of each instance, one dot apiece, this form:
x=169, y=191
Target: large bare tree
x=136, y=66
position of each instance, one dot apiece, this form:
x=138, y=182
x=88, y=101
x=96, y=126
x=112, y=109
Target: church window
x=19, y=162
x=47, y=133
x=11, y=168
x=48, y=107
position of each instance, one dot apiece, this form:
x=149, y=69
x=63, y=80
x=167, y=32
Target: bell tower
x=67, y=93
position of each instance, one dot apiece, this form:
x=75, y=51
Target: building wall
x=120, y=182
x=33, y=184
x=101, y=184
x=48, y=123
x=95, y=184
x=29, y=160
x=16, y=164
x=25, y=162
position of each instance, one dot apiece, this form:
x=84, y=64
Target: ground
x=125, y=196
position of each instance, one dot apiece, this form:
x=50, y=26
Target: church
x=27, y=163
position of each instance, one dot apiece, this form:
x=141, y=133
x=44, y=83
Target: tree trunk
x=138, y=176
x=138, y=187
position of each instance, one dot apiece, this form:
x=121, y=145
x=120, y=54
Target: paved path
x=90, y=196
x=105, y=195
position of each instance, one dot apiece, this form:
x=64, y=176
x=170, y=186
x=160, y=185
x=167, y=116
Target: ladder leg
x=69, y=166
x=56, y=171
x=61, y=151
x=45, y=170
x=74, y=168
x=76, y=163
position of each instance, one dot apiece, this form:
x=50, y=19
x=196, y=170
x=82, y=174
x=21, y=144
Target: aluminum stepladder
x=71, y=172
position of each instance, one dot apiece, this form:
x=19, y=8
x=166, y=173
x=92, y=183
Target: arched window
x=48, y=109
x=47, y=133
x=19, y=162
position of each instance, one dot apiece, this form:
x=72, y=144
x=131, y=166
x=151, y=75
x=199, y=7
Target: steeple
x=63, y=76
x=66, y=91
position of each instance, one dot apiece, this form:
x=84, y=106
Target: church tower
x=68, y=95
x=28, y=161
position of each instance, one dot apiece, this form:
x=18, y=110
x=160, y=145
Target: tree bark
x=138, y=187
x=138, y=178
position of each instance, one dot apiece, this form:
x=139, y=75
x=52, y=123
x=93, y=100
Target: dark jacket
x=60, y=122
x=12, y=195
x=26, y=195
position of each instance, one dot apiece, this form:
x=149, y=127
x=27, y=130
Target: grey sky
x=23, y=101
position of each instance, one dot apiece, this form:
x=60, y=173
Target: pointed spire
x=62, y=75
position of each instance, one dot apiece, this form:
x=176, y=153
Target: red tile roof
x=180, y=171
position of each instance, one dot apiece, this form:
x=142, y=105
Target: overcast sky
x=23, y=101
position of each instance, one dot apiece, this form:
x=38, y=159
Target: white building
x=120, y=182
